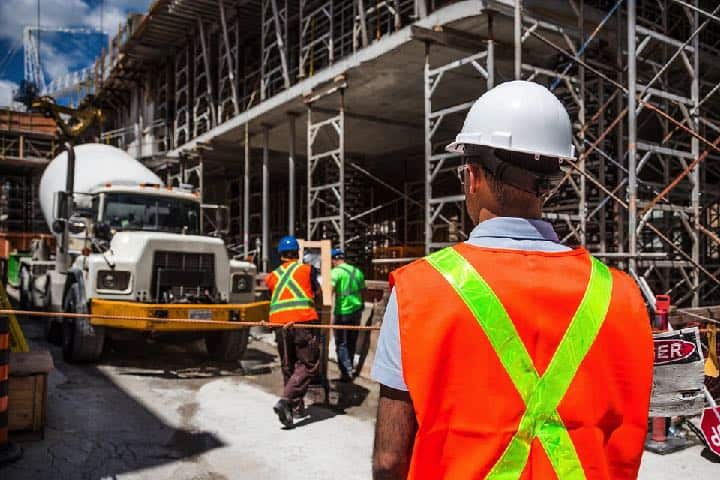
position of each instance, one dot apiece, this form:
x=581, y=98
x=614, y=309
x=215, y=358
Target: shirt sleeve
x=334, y=276
x=387, y=367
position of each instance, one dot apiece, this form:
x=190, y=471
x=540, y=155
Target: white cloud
x=16, y=14
x=6, y=92
x=58, y=55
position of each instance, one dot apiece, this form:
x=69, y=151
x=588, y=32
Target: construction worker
x=348, y=283
x=293, y=287
x=511, y=355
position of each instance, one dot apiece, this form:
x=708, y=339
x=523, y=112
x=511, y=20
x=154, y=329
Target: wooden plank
x=30, y=363
x=678, y=376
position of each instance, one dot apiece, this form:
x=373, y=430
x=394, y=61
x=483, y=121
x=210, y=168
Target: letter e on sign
x=672, y=351
x=710, y=425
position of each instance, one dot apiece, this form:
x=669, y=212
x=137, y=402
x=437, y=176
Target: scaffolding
x=638, y=77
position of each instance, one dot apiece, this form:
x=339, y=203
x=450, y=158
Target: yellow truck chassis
x=183, y=317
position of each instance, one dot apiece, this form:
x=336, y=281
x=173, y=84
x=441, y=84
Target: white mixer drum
x=95, y=165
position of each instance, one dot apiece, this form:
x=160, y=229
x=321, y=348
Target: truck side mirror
x=218, y=217
x=60, y=202
x=77, y=225
x=103, y=231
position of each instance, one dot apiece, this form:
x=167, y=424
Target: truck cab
x=137, y=257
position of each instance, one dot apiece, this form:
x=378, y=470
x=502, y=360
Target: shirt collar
x=516, y=228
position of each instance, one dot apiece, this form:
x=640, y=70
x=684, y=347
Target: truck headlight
x=241, y=283
x=113, y=280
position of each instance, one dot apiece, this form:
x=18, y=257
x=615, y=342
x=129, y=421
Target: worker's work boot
x=300, y=413
x=284, y=412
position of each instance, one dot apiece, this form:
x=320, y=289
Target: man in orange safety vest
x=511, y=355
x=293, y=287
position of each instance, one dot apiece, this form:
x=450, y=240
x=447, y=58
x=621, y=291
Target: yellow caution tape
x=17, y=339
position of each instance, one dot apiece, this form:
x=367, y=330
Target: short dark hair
x=519, y=171
x=291, y=254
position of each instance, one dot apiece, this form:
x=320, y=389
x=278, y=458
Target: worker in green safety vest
x=348, y=284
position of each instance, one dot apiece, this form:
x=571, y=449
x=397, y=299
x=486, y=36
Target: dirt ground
x=161, y=411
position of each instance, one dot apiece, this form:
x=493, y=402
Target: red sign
x=710, y=425
x=670, y=351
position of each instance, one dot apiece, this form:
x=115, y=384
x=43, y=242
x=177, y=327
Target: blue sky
x=59, y=53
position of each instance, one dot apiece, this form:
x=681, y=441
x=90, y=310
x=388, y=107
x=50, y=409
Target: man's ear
x=475, y=177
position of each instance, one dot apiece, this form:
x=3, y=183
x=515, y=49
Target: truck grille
x=184, y=275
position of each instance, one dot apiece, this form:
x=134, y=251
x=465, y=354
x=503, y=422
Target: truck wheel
x=81, y=342
x=228, y=345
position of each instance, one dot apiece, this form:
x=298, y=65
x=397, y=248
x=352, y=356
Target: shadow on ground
x=98, y=430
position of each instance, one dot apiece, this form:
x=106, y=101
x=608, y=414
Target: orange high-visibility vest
x=479, y=329
x=292, y=297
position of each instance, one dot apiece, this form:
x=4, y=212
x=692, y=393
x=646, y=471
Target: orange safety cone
x=9, y=452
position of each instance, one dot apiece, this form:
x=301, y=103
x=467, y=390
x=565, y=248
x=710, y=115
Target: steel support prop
x=265, y=198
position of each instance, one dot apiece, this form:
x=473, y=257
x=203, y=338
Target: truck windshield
x=131, y=211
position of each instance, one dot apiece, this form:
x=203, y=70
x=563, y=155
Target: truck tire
x=228, y=345
x=81, y=342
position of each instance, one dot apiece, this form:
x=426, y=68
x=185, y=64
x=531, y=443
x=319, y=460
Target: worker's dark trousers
x=346, y=340
x=299, y=351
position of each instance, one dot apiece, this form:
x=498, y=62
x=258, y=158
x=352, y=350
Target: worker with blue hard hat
x=293, y=287
x=348, y=284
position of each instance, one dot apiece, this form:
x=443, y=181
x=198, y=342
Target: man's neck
x=486, y=214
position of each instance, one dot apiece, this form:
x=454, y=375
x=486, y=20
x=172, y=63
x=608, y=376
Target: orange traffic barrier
x=8, y=451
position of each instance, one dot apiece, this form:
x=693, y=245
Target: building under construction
x=328, y=118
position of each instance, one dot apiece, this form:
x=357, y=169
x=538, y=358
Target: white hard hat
x=518, y=116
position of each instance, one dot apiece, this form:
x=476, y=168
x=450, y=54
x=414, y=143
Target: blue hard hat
x=288, y=244
x=337, y=253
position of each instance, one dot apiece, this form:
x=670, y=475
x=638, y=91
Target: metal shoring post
x=428, y=152
x=246, y=194
x=341, y=145
x=695, y=175
x=517, y=29
x=491, y=52
x=582, y=207
x=265, y=197
x=632, y=135
x=291, y=175
x=230, y=65
x=309, y=172
x=208, y=79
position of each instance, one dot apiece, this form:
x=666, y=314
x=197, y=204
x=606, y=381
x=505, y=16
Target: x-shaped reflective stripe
x=299, y=299
x=541, y=395
x=284, y=276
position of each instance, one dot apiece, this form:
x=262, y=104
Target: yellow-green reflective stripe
x=285, y=277
x=541, y=418
x=290, y=305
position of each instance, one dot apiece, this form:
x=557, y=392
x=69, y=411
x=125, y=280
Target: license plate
x=200, y=315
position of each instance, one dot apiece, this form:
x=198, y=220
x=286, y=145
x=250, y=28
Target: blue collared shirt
x=499, y=232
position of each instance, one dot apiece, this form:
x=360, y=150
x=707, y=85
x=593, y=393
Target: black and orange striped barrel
x=8, y=451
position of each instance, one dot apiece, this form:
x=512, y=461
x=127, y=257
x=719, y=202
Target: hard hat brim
x=457, y=147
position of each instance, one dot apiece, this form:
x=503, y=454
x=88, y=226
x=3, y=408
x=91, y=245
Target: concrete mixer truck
x=128, y=246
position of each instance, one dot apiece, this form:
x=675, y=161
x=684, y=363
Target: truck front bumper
x=175, y=317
